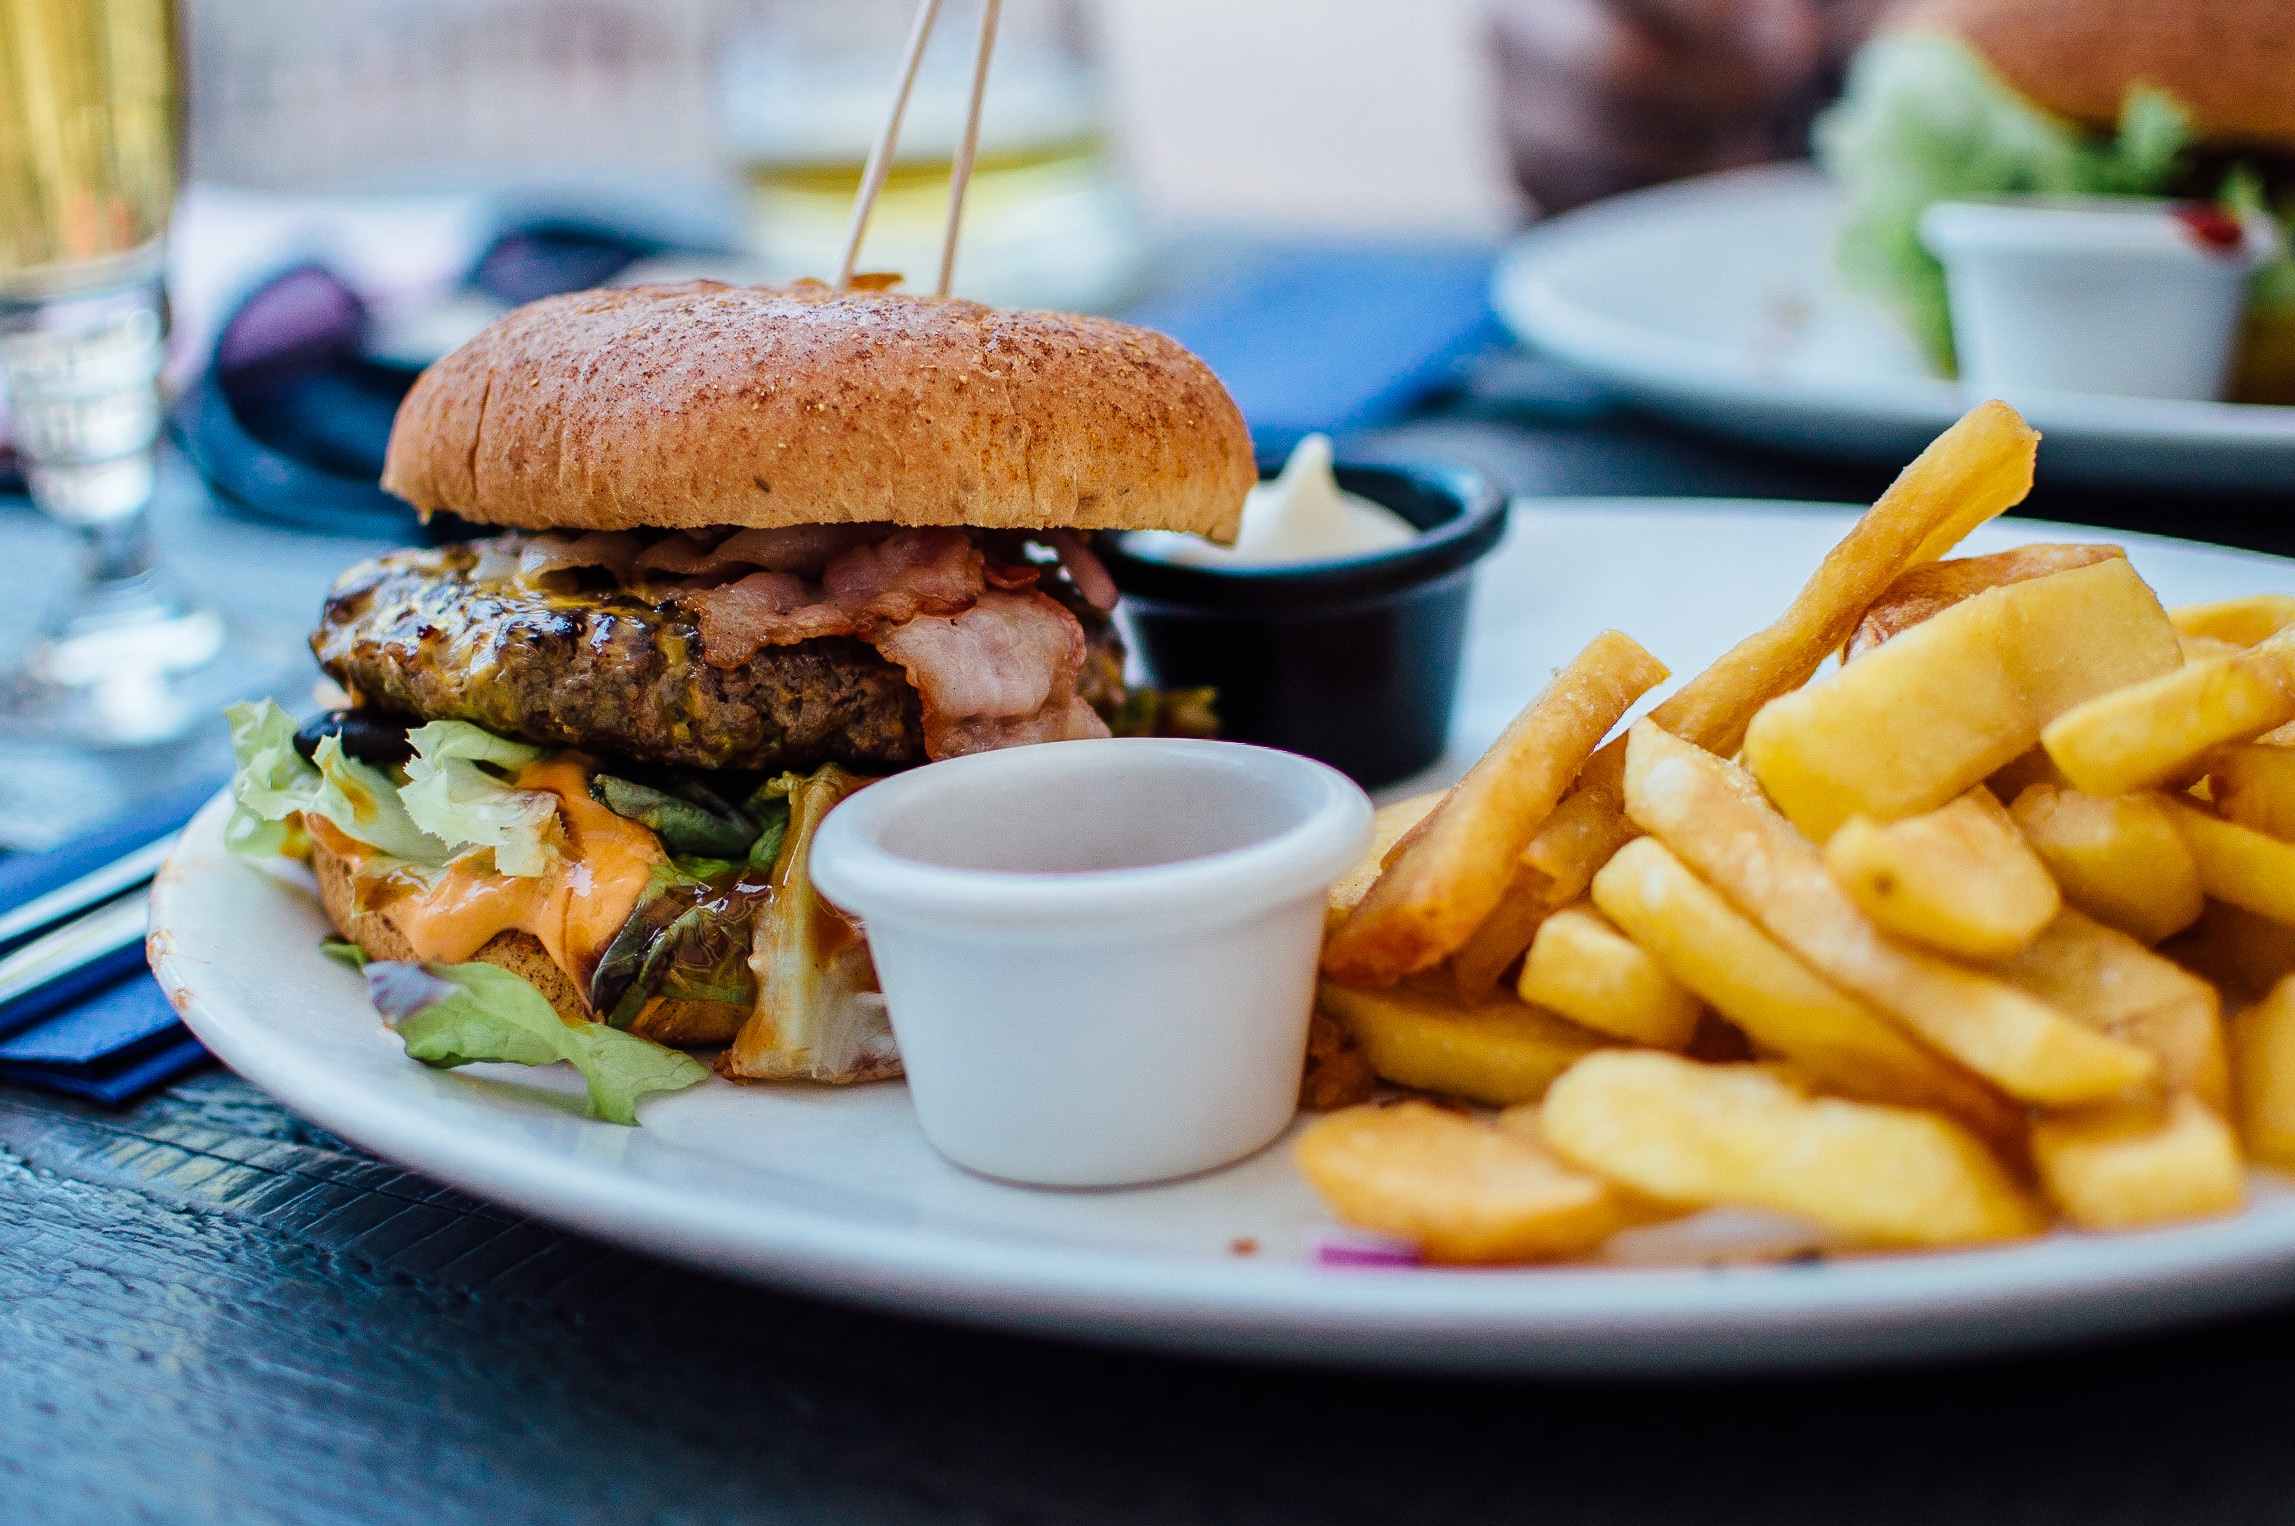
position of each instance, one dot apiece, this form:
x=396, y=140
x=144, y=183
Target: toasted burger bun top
x=706, y=404
x=2230, y=62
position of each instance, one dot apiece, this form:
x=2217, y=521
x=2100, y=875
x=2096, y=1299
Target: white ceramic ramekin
x=1099, y=956
x=2114, y=295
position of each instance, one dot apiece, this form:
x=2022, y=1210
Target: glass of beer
x=90, y=123
x=803, y=88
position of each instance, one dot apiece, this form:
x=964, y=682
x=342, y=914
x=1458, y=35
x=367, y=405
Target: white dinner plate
x=835, y=1191
x=1716, y=302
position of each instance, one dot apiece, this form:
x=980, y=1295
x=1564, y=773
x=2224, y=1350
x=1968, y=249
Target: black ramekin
x=1353, y=661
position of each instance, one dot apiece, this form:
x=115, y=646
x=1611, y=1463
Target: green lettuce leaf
x=273, y=783
x=457, y=791
x=462, y=1014
x=692, y=823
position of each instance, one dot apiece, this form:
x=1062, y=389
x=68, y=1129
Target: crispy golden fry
x=1974, y=471
x=2241, y=622
x=2161, y=731
x=1846, y=1046
x=2242, y=954
x=2114, y=984
x=2254, y=785
x=2032, y=766
x=2204, y=648
x=1439, y=889
x=1498, y=1052
x=1589, y=972
x=1911, y=724
x=1389, y=826
x=1714, y=1135
x=2120, y=860
x=1337, y=1073
x=1930, y=590
x=2239, y=864
x=1460, y=1189
x=1477, y=968
x=2263, y=1064
x=1959, y=878
x=1711, y=815
x=2128, y=1164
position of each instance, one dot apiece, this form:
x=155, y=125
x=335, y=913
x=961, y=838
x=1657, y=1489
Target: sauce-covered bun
x=702, y=404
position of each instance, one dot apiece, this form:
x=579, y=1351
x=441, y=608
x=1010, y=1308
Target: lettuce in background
x=1924, y=120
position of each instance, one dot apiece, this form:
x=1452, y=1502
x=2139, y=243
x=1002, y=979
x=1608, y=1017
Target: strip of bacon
x=1001, y=673
x=805, y=549
x=1085, y=569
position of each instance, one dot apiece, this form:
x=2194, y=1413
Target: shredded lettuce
x=457, y=790
x=1924, y=120
x=818, y=1015
x=462, y=1014
x=274, y=783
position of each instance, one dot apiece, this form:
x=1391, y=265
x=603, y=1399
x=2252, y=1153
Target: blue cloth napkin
x=106, y=1033
x=1334, y=337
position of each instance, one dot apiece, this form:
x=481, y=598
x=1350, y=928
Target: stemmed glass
x=90, y=126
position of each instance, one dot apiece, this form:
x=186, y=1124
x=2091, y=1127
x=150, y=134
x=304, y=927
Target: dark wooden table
x=212, y=1311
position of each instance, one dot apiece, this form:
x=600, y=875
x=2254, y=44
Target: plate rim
x=1608, y=1320
x=1649, y=361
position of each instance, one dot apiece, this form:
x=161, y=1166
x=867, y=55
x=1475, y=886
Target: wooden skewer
x=960, y=172
x=888, y=140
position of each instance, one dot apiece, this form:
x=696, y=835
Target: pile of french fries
x=1935, y=949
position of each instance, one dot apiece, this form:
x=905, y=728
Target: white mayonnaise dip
x=1301, y=516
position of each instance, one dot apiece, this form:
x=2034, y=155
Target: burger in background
x=1964, y=99
x=756, y=547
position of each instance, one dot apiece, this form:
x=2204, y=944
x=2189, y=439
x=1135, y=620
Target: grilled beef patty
x=412, y=634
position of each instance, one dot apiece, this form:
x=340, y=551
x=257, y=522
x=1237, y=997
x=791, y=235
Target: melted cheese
x=573, y=909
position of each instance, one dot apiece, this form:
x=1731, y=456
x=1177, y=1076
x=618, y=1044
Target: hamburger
x=2186, y=99
x=742, y=549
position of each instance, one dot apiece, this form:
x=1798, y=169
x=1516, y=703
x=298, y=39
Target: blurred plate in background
x=1715, y=302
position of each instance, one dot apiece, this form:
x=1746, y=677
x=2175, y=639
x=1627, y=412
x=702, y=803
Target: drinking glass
x=90, y=123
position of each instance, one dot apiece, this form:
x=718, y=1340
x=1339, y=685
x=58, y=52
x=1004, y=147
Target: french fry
x=1586, y=970
x=2239, y=864
x=2030, y=767
x=1716, y=822
x=2119, y=859
x=2254, y=785
x=2128, y=1164
x=1979, y=468
x=1779, y=1003
x=1440, y=888
x=2161, y=731
x=1460, y=1189
x=2113, y=983
x=2241, y=954
x=2204, y=648
x=2241, y=622
x=1911, y=724
x=1959, y=878
x=2263, y=1063
x=1930, y=590
x=1499, y=1051
x=1389, y=826
x=1477, y=967
x=1738, y=1135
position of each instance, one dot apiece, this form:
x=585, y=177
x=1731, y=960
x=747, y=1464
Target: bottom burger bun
x=666, y=1022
